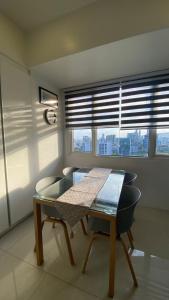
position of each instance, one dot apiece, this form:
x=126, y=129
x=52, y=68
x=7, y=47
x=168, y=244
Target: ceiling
x=143, y=53
x=29, y=14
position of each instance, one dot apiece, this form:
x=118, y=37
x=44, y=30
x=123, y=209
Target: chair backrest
x=68, y=170
x=129, y=178
x=129, y=198
x=40, y=186
x=45, y=182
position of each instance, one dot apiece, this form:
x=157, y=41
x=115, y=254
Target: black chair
x=129, y=178
x=68, y=170
x=53, y=216
x=129, y=198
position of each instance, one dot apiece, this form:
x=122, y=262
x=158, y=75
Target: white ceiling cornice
x=30, y=14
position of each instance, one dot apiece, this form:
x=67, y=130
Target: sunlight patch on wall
x=18, y=160
x=48, y=150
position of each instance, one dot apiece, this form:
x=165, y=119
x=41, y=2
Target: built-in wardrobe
x=15, y=137
x=30, y=148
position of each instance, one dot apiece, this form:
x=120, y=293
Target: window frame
x=72, y=142
x=94, y=147
x=156, y=155
x=151, y=147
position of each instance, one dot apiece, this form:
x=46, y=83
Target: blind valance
x=138, y=103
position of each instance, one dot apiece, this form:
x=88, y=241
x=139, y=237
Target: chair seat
x=51, y=212
x=99, y=225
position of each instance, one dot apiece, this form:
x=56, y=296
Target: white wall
x=33, y=148
x=48, y=140
x=12, y=40
x=97, y=24
x=153, y=173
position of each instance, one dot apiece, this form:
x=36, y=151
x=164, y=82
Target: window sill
x=80, y=152
x=121, y=157
x=161, y=156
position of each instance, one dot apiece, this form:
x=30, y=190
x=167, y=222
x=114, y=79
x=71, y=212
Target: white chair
x=53, y=216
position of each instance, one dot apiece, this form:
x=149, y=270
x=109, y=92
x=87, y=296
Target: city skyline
x=113, y=142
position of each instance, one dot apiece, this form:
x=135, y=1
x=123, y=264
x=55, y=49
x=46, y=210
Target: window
x=113, y=142
x=82, y=140
x=162, y=141
x=123, y=113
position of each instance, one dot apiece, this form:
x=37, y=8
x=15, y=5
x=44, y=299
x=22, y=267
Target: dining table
x=104, y=206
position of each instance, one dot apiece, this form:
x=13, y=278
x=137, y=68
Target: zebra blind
x=145, y=102
x=95, y=107
x=139, y=103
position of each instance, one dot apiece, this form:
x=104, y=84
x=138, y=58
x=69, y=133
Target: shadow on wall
x=33, y=150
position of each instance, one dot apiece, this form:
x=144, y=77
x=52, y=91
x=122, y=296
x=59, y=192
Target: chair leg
x=42, y=224
x=83, y=227
x=88, y=253
x=129, y=262
x=67, y=242
x=131, y=235
x=71, y=234
x=48, y=219
x=130, y=240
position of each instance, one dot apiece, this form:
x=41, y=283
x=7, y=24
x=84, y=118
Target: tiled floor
x=20, y=278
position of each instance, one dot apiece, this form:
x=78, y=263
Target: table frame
x=39, y=240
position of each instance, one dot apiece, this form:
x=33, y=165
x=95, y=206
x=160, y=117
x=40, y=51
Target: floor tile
x=52, y=288
x=16, y=234
x=151, y=231
x=18, y=280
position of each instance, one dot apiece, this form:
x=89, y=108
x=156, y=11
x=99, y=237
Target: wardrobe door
x=18, y=129
x=4, y=223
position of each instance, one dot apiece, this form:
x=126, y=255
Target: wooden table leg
x=38, y=233
x=112, y=256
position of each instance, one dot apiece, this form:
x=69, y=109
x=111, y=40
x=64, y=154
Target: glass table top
x=106, y=200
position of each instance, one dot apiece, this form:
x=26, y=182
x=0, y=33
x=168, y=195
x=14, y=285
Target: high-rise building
x=86, y=144
x=102, y=146
x=124, y=146
x=109, y=143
